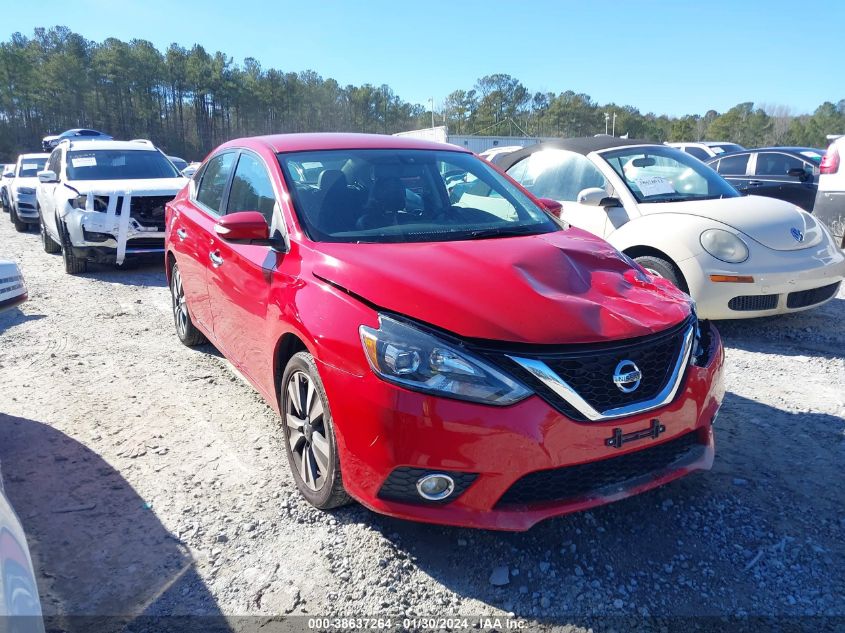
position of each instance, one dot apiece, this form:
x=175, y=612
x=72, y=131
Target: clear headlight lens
x=724, y=245
x=101, y=204
x=403, y=354
x=26, y=190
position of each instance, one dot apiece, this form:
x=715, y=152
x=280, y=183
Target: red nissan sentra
x=439, y=346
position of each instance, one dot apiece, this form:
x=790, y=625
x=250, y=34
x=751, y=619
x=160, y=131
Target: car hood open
x=766, y=220
x=555, y=288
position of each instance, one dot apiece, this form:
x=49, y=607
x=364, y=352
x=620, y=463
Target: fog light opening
x=435, y=487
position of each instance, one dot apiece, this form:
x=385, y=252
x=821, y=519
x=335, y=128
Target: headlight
x=724, y=245
x=408, y=356
x=28, y=191
x=100, y=203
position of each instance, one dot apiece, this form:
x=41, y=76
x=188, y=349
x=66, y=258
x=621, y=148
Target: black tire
x=20, y=225
x=4, y=201
x=73, y=265
x=662, y=268
x=330, y=493
x=185, y=328
x=46, y=241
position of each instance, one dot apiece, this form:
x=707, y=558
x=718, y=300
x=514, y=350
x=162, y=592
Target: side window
x=251, y=188
x=699, y=153
x=733, y=165
x=557, y=174
x=214, y=178
x=54, y=163
x=776, y=164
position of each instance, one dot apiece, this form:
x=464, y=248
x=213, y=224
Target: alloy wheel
x=306, y=431
x=180, y=307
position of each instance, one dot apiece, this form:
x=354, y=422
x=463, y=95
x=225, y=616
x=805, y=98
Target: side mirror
x=47, y=176
x=243, y=226
x=552, y=206
x=596, y=197
x=9, y=174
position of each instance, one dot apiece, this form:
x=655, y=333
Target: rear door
x=772, y=178
x=240, y=276
x=192, y=232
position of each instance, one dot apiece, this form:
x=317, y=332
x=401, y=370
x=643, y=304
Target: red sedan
x=438, y=345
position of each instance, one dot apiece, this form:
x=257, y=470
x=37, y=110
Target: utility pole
x=431, y=101
x=606, y=121
x=614, y=125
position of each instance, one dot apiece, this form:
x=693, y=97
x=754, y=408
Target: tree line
x=188, y=100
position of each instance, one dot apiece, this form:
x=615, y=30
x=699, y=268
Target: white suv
x=830, y=198
x=103, y=201
x=21, y=190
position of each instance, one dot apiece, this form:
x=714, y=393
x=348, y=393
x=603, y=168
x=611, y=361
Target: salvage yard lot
x=150, y=479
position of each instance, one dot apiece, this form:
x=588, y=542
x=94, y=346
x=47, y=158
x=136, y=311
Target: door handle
x=181, y=234
x=755, y=183
x=215, y=258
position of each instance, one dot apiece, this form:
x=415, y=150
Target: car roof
x=584, y=145
x=327, y=141
x=37, y=155
x=103, y=144
x=785, y=150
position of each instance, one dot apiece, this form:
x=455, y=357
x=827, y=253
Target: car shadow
x=16, y=316
x=815, y=332
x=691, y=548
x=134, y=273
x=101, y=555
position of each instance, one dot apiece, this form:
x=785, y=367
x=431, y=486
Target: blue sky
x=662, y=56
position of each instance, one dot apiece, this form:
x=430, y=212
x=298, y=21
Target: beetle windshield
x=656, y=173
x=398, y=195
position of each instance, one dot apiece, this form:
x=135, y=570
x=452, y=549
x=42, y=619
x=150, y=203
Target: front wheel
x=185, y=328
x=309, y=435
x=46, y=241
x=73, y=265
x=20, y=225
x=659, y=267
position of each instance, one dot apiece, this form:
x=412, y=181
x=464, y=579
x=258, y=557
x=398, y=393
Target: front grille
x=148, y=211
x=145, y=242
x=571, y=482
x=401, y=485
x=589, y=369
x=805, y=298
x=751, y=303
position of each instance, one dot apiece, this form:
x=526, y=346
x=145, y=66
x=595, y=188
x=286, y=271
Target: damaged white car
x=103, y=201
x=12, y=287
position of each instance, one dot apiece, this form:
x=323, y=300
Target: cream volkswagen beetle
x=737, y=256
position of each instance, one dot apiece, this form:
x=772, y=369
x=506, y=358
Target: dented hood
x=139, y=186
x=561, y=287
x=766, y=220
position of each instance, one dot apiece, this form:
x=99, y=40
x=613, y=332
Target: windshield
x=30, y=167
x=116, y=164
x=665, y=174
x=724, y=148
x=397, y=195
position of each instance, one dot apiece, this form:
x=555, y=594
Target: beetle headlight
x=724, y=245
x=403, y=354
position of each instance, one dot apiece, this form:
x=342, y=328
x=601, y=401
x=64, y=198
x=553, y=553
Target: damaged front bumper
x=129, y=227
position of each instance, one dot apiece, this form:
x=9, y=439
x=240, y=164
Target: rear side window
x=777, y=164
x=214, y=179
x=557, y=174
x=733, y=165
x=251, y=188
x=699, y=153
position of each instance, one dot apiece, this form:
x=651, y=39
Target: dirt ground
x=150, y=480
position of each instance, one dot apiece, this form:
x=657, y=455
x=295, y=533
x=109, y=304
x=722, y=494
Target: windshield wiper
x=482, y=234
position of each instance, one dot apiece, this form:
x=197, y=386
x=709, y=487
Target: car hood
x=19, y=182
x=765, y=220
x=561, y=287
x=149, y=186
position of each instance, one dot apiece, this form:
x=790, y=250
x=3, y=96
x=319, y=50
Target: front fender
x=675, y=234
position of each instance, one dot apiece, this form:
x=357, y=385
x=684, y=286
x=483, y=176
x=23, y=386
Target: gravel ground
x=150, y=480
